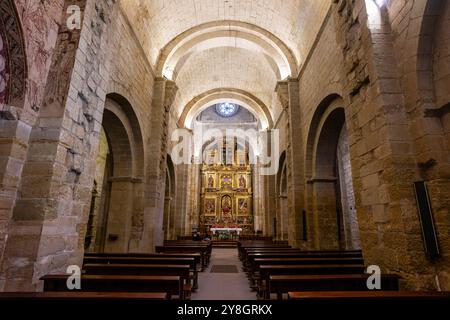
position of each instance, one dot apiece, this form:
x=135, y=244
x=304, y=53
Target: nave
x=232, y=285
x=139, y=136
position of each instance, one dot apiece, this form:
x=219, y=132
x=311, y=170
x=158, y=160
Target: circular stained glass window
x=227, y=109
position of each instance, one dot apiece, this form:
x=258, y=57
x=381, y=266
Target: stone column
x=21, y=97
x=288, y=93
x=167, y=217
x=49, y=219
x=153, y=234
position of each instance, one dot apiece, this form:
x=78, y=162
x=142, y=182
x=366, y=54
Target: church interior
x=278, y=149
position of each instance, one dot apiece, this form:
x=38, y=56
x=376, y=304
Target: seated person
x=197, y=237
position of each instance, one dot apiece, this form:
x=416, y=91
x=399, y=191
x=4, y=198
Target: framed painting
x=209, y=206
x=243, y=206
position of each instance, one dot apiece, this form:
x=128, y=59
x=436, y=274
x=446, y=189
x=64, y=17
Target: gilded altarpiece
x=226, y=195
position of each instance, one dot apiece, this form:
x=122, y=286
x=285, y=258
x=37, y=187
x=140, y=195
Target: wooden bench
x=253, y=269
x=281, y=255
x=371, y=295
x=268, y=270
x=203, y=250
x=196, y=256
x=149, y=260
x=247, y=251
x=77, y=296
x=171, y=285
x=242, y=248
x=183, y=271
x=280, y=284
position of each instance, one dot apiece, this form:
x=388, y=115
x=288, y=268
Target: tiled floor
x=223, y=286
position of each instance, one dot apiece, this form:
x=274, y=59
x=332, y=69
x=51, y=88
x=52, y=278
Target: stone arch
x=122, y=205
x=329, y=179
x=122, y=109
x=239, y=34
x=246, y=99
x=440, y=69
x=13, y=63
x=421, y=38
x=329, y=101
x=426, y=86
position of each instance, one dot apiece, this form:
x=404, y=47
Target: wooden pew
x=281, y=255
x=196, y=256
x=243, y=246
x=81, y=296
x=208, y=244
x=182, y=271
x=172, y=285
x=203, y=250
x=247, y=251
x=280, y=284
x=148, y=260
x=268, y=270
x=253, y=269
x=372, y=295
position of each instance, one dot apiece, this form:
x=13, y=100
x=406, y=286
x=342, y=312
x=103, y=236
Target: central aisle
x=223, y=286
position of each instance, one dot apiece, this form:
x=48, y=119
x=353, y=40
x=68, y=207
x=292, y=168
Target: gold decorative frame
x=214, y=199
x=214, y=177
x=237, y=177
x=238, y=209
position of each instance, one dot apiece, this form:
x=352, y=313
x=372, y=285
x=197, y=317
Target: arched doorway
x=331, y=197
x=116, y=208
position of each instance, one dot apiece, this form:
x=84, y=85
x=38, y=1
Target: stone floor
x=223, y=286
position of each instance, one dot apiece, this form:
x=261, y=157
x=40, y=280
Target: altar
x=225, y=233
x=236, y=230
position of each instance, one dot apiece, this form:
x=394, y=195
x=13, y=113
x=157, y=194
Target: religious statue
x=242, y=182
x=226, y=208
x=210, y=182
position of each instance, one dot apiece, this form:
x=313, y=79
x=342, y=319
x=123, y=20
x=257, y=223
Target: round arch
x=326, y=106
x=226, y=33
x=120, y=114
x=13, y=61
x=330, y=194
x=247, y=100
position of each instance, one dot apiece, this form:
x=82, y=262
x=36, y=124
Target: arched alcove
x=330, y=195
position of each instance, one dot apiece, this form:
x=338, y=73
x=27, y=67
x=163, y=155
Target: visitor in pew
x=197, y=237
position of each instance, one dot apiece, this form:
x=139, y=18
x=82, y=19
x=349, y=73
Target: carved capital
x=170, y=92
x=282, y=90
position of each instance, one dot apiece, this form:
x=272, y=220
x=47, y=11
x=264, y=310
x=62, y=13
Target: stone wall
x=35, y=30
x=47, y=229
x=357, y=62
